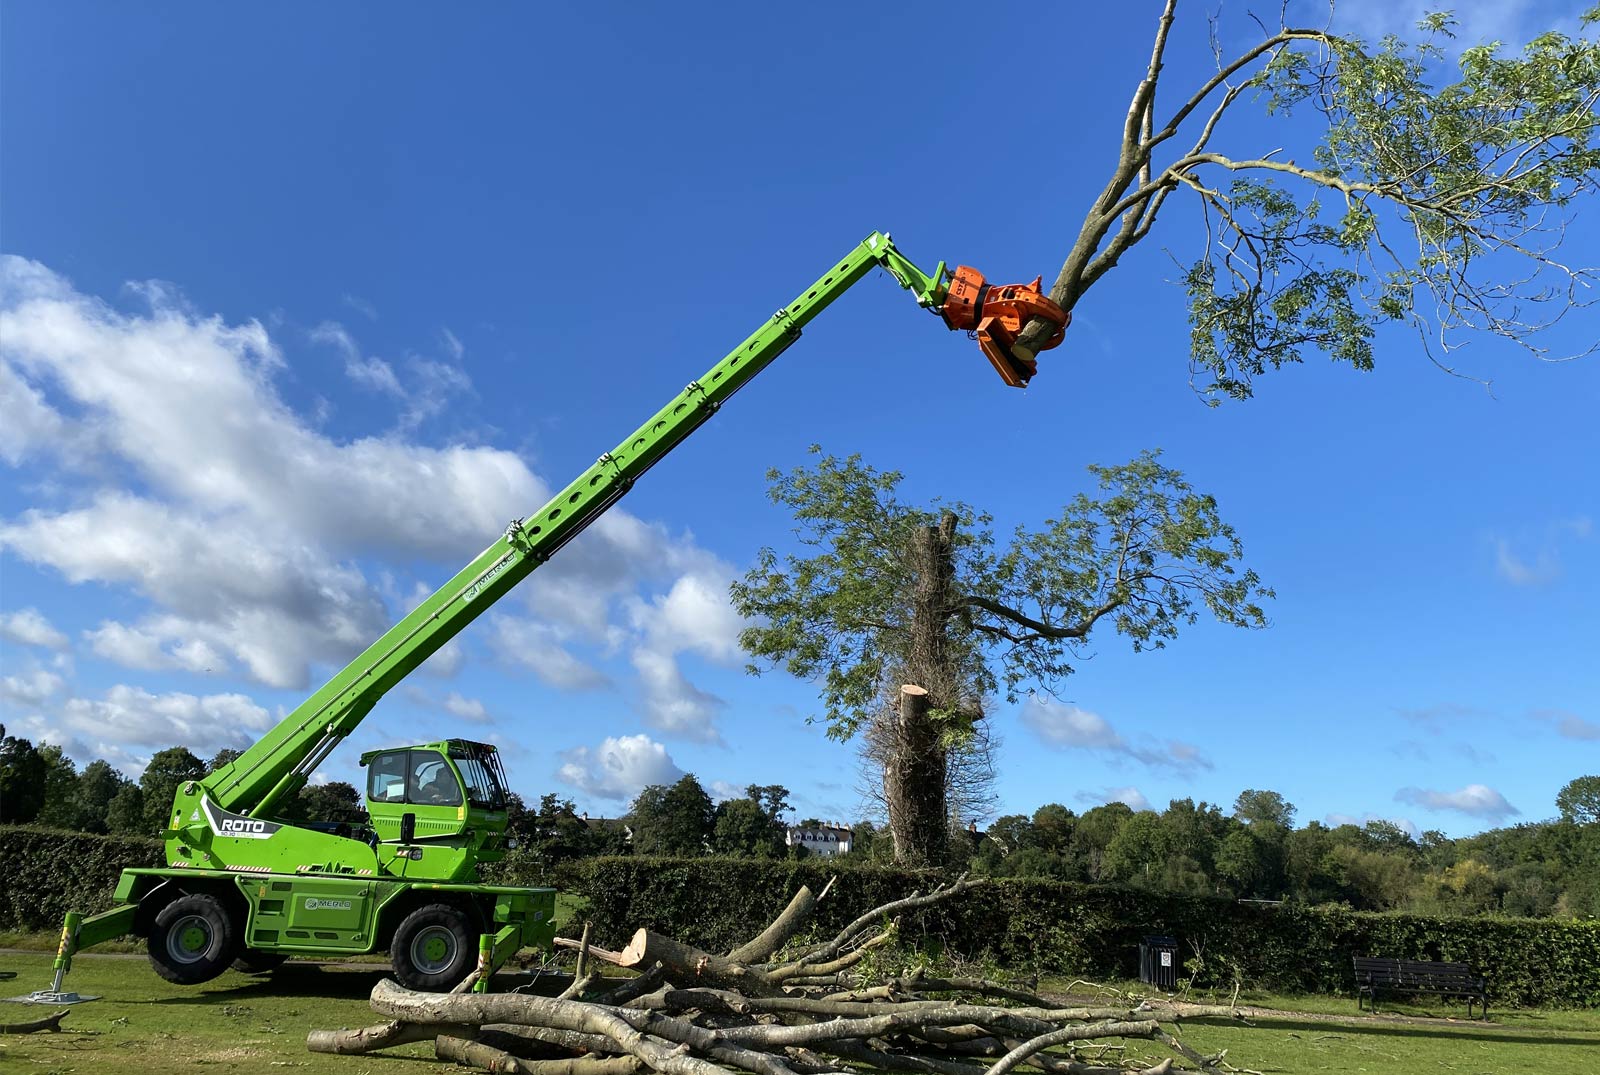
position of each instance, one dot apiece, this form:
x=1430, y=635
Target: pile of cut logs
x=771, y=1007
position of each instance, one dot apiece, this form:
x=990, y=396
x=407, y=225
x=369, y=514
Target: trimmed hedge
x=44, y=873
x=1048, y=926
x=1094, y=930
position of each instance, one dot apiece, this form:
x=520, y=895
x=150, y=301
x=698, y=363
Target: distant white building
x=819, y=839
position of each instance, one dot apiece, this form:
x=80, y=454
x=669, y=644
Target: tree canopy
x=1417, y=197
x=1146, y=557
x=893, y=593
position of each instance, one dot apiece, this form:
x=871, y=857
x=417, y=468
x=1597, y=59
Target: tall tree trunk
x=914, y=779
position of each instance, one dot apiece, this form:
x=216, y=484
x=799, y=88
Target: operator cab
x=448, y=789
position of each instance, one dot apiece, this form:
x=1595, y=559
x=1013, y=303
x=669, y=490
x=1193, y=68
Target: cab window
x=386, y=777
x=432, y=782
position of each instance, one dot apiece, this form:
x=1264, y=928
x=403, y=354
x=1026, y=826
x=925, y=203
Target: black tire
x=433, y=948
x=255, y=961
x=192, y=940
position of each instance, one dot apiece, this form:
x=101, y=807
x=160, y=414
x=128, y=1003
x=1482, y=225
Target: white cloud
x=196, y=486
x=693, y=616
x=1543, y=567
x=156, y=643
x=1132, y=796
x=367, y=371
x=1443, y=714
x=31, y=424
x=188, y=403
x=1065, y=726
x=576, y=599
x=248, y=508
x=1534, y=556
x=454, y=703
x=129, y=724
x=360, y=306
x=1061, y=724
x=468, y=709
x=1478, y=21
x=1573, y=726
x=457, y=349
x=672, y=704
x=526, y=643
x=28, y=627
x=618, y=768
x=721, y=791
x=271, y=605
x=428, y=387
x=1476, y=800
x=30, y=688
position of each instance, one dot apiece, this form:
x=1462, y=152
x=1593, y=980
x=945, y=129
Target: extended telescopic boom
x=281, y=762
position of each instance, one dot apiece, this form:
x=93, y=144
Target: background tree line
x=1253, y=851
x=42, y=786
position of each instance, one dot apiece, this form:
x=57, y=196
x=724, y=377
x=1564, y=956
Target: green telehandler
x=243, y=887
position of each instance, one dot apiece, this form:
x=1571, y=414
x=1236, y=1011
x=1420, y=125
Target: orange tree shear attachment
x=996, y=313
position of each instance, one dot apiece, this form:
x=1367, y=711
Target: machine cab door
x=419, y=781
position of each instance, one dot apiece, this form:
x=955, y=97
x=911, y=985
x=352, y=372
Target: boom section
x=280, y=763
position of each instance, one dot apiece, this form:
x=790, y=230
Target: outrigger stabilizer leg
x=79, y=932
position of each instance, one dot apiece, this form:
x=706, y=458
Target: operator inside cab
x=418, y=777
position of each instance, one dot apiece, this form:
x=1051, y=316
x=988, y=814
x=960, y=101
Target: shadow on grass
x=289, y=980
x=330, y=982
x=1488, y=1032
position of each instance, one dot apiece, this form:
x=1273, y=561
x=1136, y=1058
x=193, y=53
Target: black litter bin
x=1158, y=962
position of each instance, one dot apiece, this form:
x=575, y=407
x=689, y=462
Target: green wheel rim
x=433, y=949
x=189, y=938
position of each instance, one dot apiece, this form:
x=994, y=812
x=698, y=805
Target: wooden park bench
x=1418, y=976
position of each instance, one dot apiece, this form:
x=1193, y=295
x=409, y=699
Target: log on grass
x=382, y=1036
x=687, y=965
x=51, y=1023
x=488, y=1058
x=776, y=935
x=476, y=1009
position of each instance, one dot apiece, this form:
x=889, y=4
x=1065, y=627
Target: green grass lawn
x=245, y=1024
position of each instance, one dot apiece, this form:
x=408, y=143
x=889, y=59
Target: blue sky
x=304, y=302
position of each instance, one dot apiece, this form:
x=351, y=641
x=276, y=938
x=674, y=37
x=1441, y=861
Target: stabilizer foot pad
x=50, y=997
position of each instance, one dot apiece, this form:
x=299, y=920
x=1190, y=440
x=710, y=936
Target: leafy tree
x=897, y=593
x=673, y=820
x=867, y=842
x=1438, y=206
x=98, y=785
x=160, y=781
x=22, y=779
x=1139, y=851
x=1242, y=861
x=752, y=826
x=1052, y=826
x=1387, y=836
x=125, y=812
x=553, y=832
x=1579, y=800
x=1011, y=833
x=1196, y=830
x=61, y=809
x=225, y=756
x=742, y=828
x=1253, y=807
x=1095, y=831
x=335, y=803
x=772, y=799
x=1315, y=874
